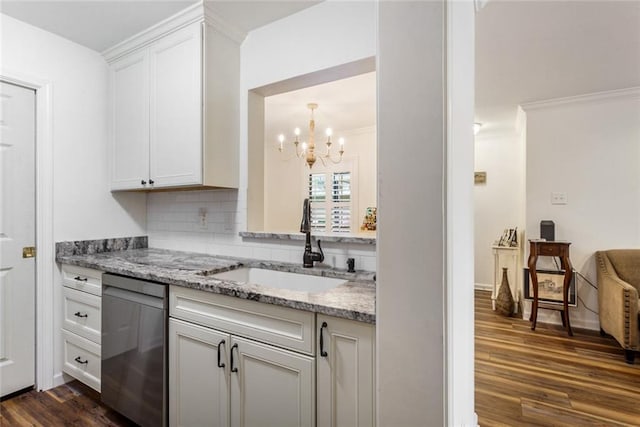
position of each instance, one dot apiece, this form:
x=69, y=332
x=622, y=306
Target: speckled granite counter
x=353, y=300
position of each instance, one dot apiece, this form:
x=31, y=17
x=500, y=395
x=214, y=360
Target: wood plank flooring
x=72, y=404
x=546, y=378
x=523, y=378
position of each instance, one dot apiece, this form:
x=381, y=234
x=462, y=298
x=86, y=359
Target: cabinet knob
x=143, y=182
x=151, y=182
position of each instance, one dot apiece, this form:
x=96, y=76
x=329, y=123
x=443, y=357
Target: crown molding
x=632, y=92
x=197, y=12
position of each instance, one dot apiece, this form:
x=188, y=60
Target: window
x=330, y=213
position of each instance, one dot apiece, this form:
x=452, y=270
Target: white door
x=270, y=386
x=130, y=122
x=17, y=230
x=346, y=369
x=176, y=108
x=198, y=376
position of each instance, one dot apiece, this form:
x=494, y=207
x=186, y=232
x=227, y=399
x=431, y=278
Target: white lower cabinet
x=270, y=386
x=198, y=380
x=345, y=373
x=217, y=379
x=81, y=327
x=228, y=367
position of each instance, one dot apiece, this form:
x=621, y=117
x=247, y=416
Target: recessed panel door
x=130, y=127
x=17, y=231
x=176, y=108
x=270, y=386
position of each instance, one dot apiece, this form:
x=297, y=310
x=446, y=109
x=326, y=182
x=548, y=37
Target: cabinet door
x=176, y=108
x=272, y=387
x=345, y=374
x=130, y=122
x=198, y=387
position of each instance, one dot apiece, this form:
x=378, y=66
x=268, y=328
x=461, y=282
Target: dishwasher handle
x=123, y=294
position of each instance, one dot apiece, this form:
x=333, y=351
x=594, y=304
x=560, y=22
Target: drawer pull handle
x=233, y=369
x=322, y=352
x=220, y=344
x=78, y=314
x=80, y=279
x=80, y=361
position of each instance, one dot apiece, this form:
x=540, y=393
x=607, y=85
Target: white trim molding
x=483, y=286
x=459, y=264
x=632, y=93
x=197, y=12
x=44, y=223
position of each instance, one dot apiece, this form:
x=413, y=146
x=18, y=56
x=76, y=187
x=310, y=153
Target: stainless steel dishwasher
x=134, y=349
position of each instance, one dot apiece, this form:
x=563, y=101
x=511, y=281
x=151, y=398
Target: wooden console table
x=556, y=249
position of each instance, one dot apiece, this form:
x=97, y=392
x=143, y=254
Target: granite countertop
x=354, y=299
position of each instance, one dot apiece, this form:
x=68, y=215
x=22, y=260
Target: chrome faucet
x=305, y=227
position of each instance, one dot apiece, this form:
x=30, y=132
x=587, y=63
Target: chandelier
x=307, y=151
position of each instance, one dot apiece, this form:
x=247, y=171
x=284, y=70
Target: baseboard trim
x=60, y=379
x=483, y=286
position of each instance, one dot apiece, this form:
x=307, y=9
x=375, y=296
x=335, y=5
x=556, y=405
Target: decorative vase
x=504, y=300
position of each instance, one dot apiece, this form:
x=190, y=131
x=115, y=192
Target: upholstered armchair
x=618, y=289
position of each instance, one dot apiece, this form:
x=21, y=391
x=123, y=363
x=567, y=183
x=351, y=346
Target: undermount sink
x=281, y=279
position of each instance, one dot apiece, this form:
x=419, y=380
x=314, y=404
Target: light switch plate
x=558, y=198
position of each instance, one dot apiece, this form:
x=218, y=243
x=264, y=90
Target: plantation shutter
x=330, y=201
x=341, y=206
x=318, y=199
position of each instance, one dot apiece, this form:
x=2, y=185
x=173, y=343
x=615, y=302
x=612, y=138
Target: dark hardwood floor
x=523, y=378
x=72, y=404
x=546, y=378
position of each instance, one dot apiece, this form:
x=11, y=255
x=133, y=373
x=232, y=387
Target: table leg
x=568, y=272
x=533, y=259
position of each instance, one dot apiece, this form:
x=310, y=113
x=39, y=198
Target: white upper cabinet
x=175, y=105
x=130, y=126
x=176, y=109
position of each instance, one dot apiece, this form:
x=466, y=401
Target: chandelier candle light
x=309, y=150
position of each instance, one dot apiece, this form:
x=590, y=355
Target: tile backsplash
x=175, y=221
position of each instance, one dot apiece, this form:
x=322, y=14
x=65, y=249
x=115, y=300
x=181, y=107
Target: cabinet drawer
x=82, y=279
x=549, y=250
x=281, y=326
x=82, y=314
x=81, y=359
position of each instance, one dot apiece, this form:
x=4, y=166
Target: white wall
x=499, y=203
x=286, y=181
x=270, y=54
x=410, y=295
x=589, y=148
x=83, y=206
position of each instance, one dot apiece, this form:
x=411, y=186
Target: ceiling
x=525, y=50
x=343, y=105
x=529, y=51
x=99, y=25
